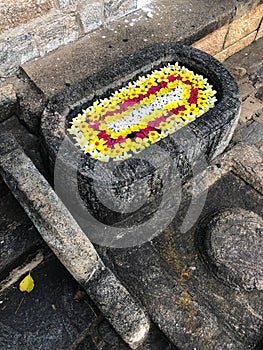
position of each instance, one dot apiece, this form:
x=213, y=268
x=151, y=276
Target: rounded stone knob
x=231, y=245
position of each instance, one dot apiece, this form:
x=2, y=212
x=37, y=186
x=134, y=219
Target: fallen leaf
x=27, y=284
x=80, y=295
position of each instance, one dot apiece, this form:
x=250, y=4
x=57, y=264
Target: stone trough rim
x=142, y=62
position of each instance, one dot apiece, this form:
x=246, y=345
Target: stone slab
x=248, y=165
x=65, y=237
x=244, y=6
x=252, y=134
x=18, y=236
x=104, y=47
x=65, y=3
x=182, y=296
x=249, y=58
x=117, y=8
x=54, y=30
x=246, y=90
x=16, y=49
x=90, y=14
x=28, y=141
x=249, y=108
x=8, y=101
x=48, y=317
x=260, y=31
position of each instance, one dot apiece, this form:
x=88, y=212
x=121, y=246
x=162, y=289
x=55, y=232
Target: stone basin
x=128, y=202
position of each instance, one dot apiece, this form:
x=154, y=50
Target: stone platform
x=192, y=299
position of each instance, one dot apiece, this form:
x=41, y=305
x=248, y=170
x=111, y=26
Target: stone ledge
x=74, y=18
x=234, y=36
x=105, y=46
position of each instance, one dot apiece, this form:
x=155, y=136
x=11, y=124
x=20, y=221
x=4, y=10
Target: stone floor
x=191, y=301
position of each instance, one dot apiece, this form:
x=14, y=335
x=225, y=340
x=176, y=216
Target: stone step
x=49, y=314
x=66, y=239
x=182, y=295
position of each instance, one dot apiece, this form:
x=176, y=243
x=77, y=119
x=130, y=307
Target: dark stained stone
x=232, y=242
x=48, y=318
x=18, y=236
x=64, y=236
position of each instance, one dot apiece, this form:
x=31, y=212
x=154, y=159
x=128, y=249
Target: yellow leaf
x=27, y=284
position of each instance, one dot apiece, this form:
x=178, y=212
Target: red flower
x=193, y=96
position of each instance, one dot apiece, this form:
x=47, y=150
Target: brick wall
x=32, y=28
x=234, y=36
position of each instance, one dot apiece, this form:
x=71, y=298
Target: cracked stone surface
x=192, y=304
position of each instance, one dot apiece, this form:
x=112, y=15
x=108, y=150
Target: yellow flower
x=142, y=143
x=174, y=119
x=75, y=122
x=116, y=151
x=134, y=128
x=189, y=118
x=81, y=117
x=129, y=145
x=142, y=125
x=171, y=105
x=95, y=155
x=163, y=126
x=126, y=156
x=82, y=143
x=153, y=136
x=163, y=134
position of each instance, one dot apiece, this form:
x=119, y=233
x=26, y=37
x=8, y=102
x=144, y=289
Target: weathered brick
x=244, y=6
x=244, y=25
x=118, y=8
x=16, y=49
x=90, y=14
x=16, y=12
x=212, y=43
x=231, y=50
x=55, y=30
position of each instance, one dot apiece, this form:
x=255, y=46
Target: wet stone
x=233, y=243
x=48, y=317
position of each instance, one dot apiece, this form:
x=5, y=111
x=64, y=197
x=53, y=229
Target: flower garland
x=142, y=113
